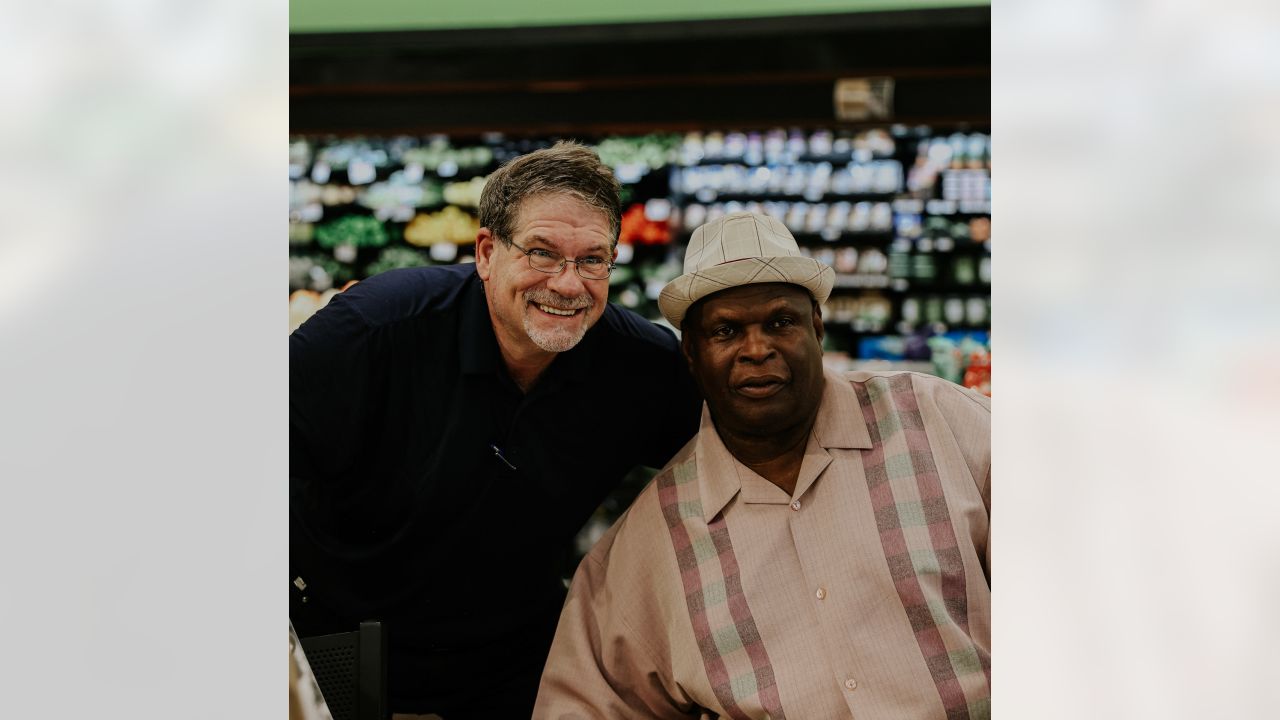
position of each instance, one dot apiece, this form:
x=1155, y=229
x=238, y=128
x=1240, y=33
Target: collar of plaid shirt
x=839, y=425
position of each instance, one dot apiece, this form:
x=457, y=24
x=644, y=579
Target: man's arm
x=968, y=417
x=330, y=363
x=609, y=658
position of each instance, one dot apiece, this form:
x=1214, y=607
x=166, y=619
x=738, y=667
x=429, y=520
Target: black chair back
x=351, y=670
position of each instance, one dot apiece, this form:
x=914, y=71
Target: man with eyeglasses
x=453, y=427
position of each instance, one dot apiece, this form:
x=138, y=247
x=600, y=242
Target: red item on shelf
x=638, y=230
x=978, y=375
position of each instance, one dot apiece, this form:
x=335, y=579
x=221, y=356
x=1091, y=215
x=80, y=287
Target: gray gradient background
x=1137, y=359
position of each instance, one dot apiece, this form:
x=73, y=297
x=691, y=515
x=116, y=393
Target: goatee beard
x=561, y=339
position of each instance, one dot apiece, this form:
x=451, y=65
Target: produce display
x=450, y=225
x=397, y=257
x=465, y=193
x=902, y=214
x=304, y=303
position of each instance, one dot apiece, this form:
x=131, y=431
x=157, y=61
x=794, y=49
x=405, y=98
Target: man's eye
x=592, y=261
x=721, y=331
x=784, y=322
x=540, y=253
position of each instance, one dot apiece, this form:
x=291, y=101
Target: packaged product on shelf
x=795, y=218
x=445, y=252
x=923, y=267
x=976, y=311
x=637, y=229
x=911, y=310
x=816, y=219
x=881, y=217
x=846, y=260
x=980, y=229
x=301, y=233
x=947, y=359
x=978, y=374
x=964, y=271
x=860, y=218
x=304, y=202
x=837, y=217
x=694, y=215
x=873, y=261
x=900, y=258
x=299, y=158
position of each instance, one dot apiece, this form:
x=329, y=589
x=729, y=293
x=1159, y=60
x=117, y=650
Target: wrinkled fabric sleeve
x=968, y=415
x=609, y=658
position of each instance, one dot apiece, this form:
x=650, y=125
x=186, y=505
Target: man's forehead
x=586, y=227
x=557, y=204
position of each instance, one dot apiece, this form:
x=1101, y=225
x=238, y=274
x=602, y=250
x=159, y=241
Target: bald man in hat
x=818, y=550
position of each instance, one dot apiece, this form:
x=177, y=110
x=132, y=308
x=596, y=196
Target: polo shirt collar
x=839, y=424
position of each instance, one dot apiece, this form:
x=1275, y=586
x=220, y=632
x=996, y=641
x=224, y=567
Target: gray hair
x=565, y=168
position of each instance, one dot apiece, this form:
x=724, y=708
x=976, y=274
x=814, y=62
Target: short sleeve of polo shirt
x=331, y=361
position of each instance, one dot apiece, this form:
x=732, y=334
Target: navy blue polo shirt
x=400, y=510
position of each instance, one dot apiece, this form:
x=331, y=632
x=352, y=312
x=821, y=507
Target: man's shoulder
x=684, y=462
x=628, y=329
x=922, y=385
x=645, y=521
x=395, y=295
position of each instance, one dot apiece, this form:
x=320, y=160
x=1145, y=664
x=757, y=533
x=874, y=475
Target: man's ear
x=817, y=321
x=486, y=245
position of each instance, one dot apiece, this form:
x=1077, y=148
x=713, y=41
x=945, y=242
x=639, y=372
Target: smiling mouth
x=560, y=312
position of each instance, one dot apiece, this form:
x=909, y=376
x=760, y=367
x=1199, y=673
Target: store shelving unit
x=900, y=267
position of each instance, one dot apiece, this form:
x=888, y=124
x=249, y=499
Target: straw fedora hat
x=740, y=249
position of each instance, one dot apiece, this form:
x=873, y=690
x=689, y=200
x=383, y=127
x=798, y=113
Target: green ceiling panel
x=373, y=15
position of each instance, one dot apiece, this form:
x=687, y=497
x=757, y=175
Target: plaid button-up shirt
x=865, y=594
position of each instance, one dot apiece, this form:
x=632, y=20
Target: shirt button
x=822, y=593
x=795, y=504
x=851, y=684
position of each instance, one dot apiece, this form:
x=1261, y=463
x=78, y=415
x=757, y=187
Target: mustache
x=558, y=301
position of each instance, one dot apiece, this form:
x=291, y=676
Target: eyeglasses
x=591, y=267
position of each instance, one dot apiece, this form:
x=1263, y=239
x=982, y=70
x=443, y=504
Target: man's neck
x=526, y=368
x=776, y=458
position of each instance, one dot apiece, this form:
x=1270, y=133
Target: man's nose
x=567, y=282
x=755, y=347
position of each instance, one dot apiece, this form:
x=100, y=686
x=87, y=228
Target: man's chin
x=764, y=418
x=556, y=340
